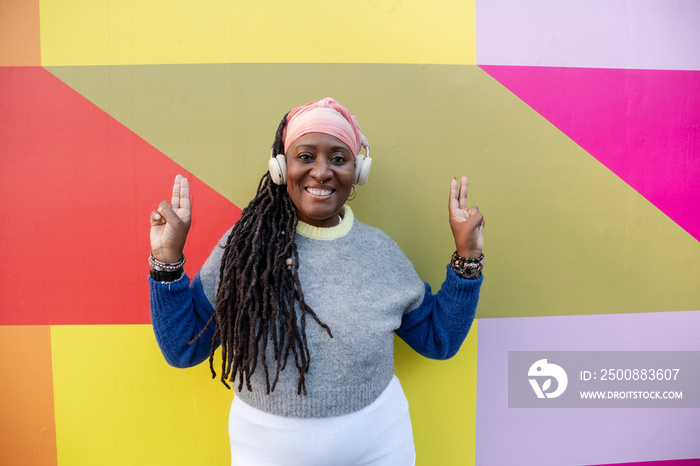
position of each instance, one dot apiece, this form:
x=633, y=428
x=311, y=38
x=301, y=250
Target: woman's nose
x=321, y=170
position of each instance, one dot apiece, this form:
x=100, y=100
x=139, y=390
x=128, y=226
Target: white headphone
x=277, y=166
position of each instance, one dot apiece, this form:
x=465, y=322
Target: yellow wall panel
x=99, y=32
x=117, y=402
x=442, y=402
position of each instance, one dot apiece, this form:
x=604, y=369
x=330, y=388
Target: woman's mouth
x=319, y=192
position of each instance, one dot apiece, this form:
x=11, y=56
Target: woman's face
x=320, y=170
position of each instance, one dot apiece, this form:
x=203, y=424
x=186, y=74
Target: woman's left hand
x=466, y=224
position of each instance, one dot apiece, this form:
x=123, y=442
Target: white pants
x=378, y=435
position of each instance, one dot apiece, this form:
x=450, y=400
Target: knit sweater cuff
x=461, y=288
x=437, y=328
x=179, y=311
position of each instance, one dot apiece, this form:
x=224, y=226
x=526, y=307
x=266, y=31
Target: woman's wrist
x=167, y=276
x=469, y=253
x=162, y=266
x=168, y=256
x=468, y=268
x=166, y=271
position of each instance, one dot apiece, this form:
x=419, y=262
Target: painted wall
x=577, y=122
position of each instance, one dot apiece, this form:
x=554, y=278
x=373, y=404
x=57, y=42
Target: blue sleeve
x=437, y=328
x=179, y=311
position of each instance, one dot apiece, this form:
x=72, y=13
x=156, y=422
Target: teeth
x=319, y=192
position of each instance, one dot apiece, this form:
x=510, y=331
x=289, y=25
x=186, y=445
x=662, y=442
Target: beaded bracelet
x=165, y=266
x=467, y=268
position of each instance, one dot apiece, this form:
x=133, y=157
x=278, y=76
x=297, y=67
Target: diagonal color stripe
x=564, y=234
x=77, y=189
x=684, y=462
x=643, y=125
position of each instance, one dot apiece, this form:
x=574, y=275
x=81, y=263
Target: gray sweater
x=360, y=284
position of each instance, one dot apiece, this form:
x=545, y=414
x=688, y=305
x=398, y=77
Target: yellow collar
x=326, y=234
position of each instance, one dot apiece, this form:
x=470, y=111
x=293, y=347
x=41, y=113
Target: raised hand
x=171, y=222
x=466, y=224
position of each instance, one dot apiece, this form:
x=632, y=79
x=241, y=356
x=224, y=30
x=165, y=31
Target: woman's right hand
x=171, y=222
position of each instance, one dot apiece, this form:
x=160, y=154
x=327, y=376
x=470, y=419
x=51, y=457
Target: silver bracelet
x=165, y=266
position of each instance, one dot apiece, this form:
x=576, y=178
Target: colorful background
x=577, y=122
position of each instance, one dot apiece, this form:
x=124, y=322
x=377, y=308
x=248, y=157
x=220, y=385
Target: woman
x=299, y=283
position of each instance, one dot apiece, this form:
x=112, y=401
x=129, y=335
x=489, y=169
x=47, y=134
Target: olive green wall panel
x=564, y=235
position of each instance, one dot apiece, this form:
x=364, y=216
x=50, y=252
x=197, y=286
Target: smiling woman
x=320, y=171
x=298, y=253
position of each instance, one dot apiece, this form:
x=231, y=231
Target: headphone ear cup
x=278, y=169
x=362, y=168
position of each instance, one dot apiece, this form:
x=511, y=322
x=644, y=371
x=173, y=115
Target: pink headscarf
x=325, y=116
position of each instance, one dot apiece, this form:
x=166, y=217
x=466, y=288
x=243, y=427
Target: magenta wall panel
x=687, y=462
x=644, y=125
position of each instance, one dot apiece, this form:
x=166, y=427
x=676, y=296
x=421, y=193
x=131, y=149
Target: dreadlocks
x=255, y=301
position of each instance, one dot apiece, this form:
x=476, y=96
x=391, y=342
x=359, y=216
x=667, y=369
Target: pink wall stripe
x=644, y=125
x=688, y=462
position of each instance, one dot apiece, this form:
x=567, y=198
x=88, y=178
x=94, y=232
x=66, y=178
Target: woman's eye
x=339, y=159
x=305, y=157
